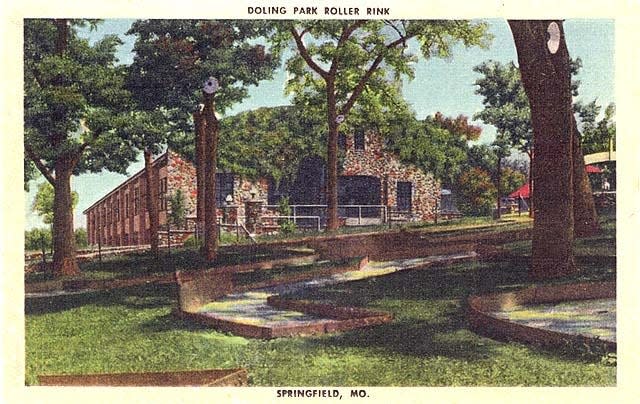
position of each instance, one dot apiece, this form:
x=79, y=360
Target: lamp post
x=210, y=245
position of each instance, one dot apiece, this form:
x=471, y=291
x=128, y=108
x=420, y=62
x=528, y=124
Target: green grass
x=144, y=263
x=427, y=344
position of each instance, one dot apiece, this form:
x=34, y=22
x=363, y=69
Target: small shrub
x=192, y=242
x=287, y=226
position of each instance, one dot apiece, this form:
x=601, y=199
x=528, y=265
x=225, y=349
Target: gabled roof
x=127, y=181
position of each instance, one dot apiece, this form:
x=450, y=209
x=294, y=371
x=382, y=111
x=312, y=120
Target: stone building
x=120, y=218
x=369, y=176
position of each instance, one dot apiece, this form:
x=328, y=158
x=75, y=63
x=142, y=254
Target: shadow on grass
x=136, y=297
x=429, y=306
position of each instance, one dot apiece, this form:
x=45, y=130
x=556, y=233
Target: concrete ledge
x=483, y=322
x=335, y=319
x=210, y=377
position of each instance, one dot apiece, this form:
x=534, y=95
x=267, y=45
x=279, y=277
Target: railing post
x=294, y=215
x=359, y=214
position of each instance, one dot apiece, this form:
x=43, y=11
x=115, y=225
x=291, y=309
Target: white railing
x=294, y=209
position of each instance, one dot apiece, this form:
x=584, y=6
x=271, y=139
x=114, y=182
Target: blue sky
x=439, y=85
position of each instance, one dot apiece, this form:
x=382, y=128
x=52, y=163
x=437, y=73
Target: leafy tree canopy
x=173, y=58
x=596, y=134
x=72, y=100
x=43, y=202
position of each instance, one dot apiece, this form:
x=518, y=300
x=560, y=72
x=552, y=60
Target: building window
x=162, y=195
x=127, y=212
x=224, y=187
x=342, y=141
x=116, y=210
x=162, y=201
x=358, y=140
x=163, y=185
x=405, y=190
x=136, y=200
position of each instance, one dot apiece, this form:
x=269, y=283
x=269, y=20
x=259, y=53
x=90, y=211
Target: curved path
x=251, y=308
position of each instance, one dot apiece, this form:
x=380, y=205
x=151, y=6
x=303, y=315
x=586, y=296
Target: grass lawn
x=427, y=344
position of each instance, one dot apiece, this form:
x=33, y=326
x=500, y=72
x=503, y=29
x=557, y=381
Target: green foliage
x=82, y=240
x=506, y=107
x=38, y=239
x=364, y=61
x=191, y=242
x=43, y=202
x=476, y=192
x=173, y=58
x=73, y=100
x=510, y=180
x=596, y=135
x=431, y=147
x=269, y=142
x=177, y=208
x=287, y=226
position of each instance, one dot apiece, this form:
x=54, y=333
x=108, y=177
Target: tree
x=597, y=136
x=438, y=145
x=43, y=202
x=343, y=62
x=476, y=192
x=510, y=180
x=173, y=58
x=37, y=239
x=148, y=131
x=73, y=93
x=506, y=107
x=546, y=76
x=177, y=208
x=502, y=150
x=82, y=240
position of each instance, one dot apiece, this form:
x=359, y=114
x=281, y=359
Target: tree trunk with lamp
x=545, y=69
x=210, y=245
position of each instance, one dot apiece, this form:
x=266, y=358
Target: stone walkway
x=592, y=318
x=252, y=308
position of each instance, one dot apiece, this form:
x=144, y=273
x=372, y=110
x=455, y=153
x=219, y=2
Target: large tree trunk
x=64, y=247
x=198, y=120
x=499, y=187
x=152, y=200
x=530, y=154
x=547, y=81
x=584, y=208
x=332, y=159
x=210, y=245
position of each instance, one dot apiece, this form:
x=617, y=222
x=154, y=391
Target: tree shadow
x=147, y=296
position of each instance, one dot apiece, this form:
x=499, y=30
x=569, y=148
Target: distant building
x=369, y=176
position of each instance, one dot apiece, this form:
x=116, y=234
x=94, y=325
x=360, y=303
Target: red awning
x=593, y=169
x=523, y=191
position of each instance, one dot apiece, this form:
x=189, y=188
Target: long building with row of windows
x=369, y=176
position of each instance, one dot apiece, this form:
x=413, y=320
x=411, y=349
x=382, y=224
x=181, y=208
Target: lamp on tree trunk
x=210, y=245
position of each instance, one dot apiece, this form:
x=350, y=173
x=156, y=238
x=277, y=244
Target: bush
x=37, y=239
x=192, y=242
x=82, y=240
x=476, y=193
x=287, y=226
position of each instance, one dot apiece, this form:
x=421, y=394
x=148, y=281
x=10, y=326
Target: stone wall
x=181, y=174
x=374, y=161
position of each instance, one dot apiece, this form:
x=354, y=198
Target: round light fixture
x=211, y=85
